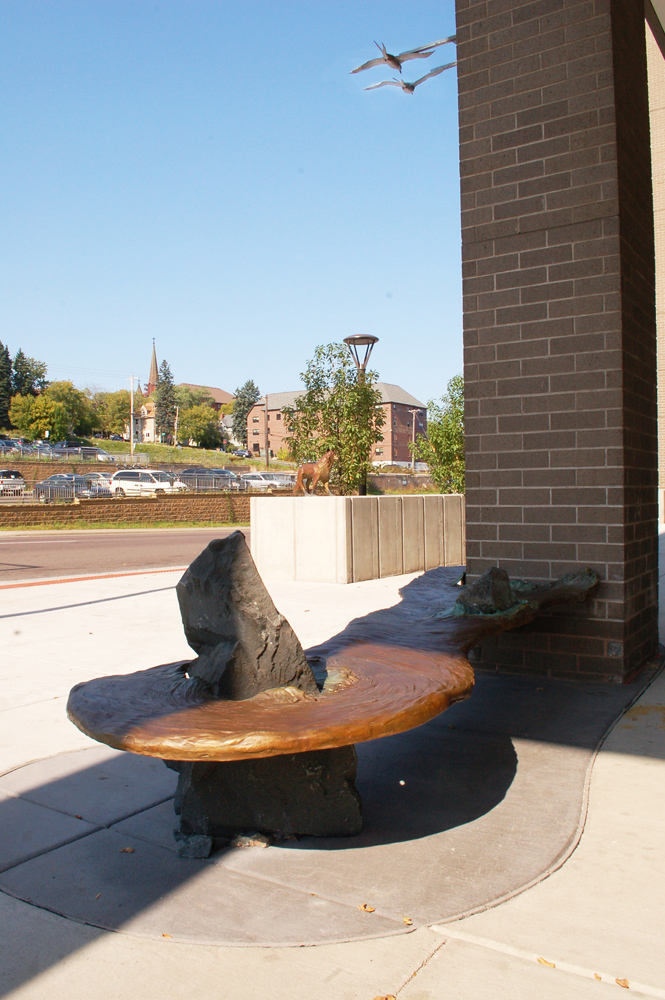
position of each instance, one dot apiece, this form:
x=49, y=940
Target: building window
x=278, y=417
x=379, y=451
x=256, y=446
x=255, y=420
x=255, y=432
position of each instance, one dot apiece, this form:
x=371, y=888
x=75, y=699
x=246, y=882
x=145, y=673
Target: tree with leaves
x=39, y=417
x=5, y=385
x=200, y=424
x=77, y=404
x=443, y=446
x=245, y=398
x=165, y=402
x=28, y=375
x=341, y=409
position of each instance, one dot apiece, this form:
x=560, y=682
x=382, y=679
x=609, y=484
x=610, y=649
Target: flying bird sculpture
x=407, y=87
x=395, y=62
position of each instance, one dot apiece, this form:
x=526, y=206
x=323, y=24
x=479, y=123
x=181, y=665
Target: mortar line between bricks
x=547, y=960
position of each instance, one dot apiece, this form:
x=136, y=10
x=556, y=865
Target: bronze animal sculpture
x=315, y=473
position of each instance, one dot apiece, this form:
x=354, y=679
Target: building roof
x=395, y=394
x=219, y=395
x=278, y=400
x=389, y=394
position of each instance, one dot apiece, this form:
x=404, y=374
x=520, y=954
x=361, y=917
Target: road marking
x=79, y=579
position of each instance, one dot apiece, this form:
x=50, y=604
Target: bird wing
x=385, y=83
x=415, y=54
x=432, y=45
x=368, y=65
x=434, y=72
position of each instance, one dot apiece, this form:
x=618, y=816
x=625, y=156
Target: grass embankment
x=165, y=453
x=106, y=525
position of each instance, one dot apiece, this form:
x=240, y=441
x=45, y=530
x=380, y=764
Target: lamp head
x=356, y=343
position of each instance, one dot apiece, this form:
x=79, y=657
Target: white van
x=137, y=482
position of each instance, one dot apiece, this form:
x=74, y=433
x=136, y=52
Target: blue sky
x=208, y=173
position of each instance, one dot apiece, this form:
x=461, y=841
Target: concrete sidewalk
x=590, y=928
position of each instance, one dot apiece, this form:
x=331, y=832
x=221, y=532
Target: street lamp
x=355, y=343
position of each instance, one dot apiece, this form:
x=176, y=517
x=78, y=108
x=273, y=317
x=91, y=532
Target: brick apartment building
x=400, y=407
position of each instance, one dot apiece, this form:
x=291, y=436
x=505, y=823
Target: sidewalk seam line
x=533, y=958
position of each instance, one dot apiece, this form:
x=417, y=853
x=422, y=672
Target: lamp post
x=355, y=344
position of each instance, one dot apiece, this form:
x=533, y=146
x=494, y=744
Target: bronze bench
x=262, y=738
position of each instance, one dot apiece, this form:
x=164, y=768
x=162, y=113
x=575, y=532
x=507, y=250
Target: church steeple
x=154, y=375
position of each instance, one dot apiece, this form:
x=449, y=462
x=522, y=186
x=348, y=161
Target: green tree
x=111, y=410
x=185, y=397
x=5, y=385
x=165, y=402
x=443, y=446
x=39, y=417
x=200, y=424
x=245, y=398
x=28, y=375
x=77, y=404
x=340, y=409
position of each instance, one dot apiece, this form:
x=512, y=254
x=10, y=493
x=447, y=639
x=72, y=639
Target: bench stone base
x=303, y=794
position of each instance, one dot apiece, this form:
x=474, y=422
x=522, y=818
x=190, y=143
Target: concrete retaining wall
x=348, y=539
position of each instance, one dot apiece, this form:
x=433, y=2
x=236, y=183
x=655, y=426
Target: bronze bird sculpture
x=395, y=62
x=407, y=87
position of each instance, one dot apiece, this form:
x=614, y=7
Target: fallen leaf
x=623, y=982
x=166, y=935
x=543, y=961
x=126, y=850
x=596, y=976
x=407, y=920
x=366, y=908
x=98, y=895
x=77, y=816
x=386, y=996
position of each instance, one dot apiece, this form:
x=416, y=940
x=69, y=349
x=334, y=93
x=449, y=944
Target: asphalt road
x=43, y=555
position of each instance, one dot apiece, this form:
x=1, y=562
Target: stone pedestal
x=309, y=793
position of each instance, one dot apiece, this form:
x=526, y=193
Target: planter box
x=348, y=539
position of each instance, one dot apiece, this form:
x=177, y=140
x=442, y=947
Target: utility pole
x=131, y=414
x=175, y=426
x=267, y=440
x=414, y=414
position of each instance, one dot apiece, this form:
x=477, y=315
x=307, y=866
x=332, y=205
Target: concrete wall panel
x=391, y=559
x=453, y=530
x=365, y=537
x=433, y=516
x=413, y=534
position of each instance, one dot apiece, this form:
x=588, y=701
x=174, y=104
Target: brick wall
x=223, y=508
x=558, y=277
x=656, y=68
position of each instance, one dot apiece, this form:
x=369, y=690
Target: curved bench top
x=386, y=673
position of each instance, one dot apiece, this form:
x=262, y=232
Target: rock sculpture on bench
x=263, y=739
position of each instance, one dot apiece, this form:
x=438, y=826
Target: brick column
x=560, y=345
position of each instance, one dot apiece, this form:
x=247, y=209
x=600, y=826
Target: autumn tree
x=245, y=397
x=442, y=448
x=77, y=405
x=340, y=409
x=39, y=417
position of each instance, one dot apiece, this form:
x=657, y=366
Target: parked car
x=283, y=480
x=262, y=481
x=99, y=479
x=135, y=482
x=242, y=453
x=12, y=483
x=62, y=486
x=115, y=437
x=212, y=479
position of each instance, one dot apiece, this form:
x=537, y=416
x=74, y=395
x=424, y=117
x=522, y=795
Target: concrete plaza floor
x=589, y=928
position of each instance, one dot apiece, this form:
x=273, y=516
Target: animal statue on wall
x=315, y=473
